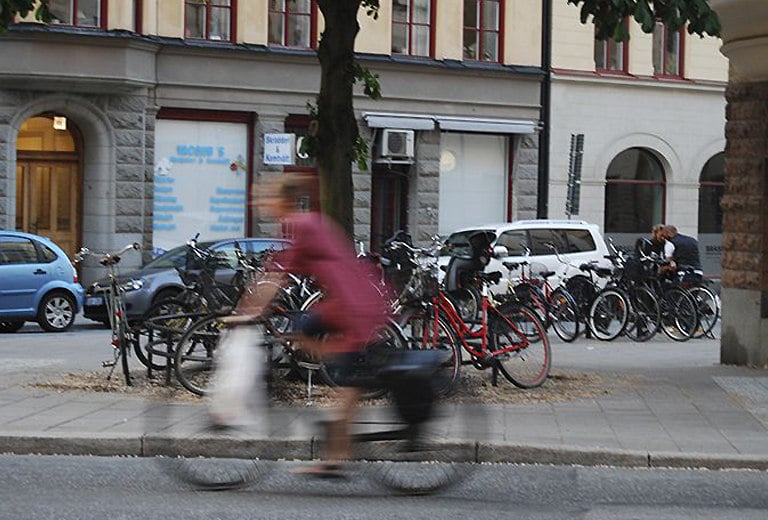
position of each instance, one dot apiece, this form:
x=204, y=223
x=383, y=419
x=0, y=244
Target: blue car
x=37, y=283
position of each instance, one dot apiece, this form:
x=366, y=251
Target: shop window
x=292, y=23
x=611, y=55
x=210, y=19
x=483, y=30
x=667, y=51
x=412, y=27
x=80, y=13
x=711, y=190
x=634, y=192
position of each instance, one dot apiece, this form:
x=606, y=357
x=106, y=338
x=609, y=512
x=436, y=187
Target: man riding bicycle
x=340, y=324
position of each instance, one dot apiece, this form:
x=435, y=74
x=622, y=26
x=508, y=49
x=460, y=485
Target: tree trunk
x=337, y=126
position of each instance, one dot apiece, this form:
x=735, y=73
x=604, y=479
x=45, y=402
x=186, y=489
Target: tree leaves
x=609, y=16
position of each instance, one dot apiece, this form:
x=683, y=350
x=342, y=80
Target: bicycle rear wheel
x=523, y=361
x=679, y=318
x=423, y=330
x=565, y=315
x=608, y=314
x=645, y=315
x=425, y=457
x=193, y=359
x=707, y=310
x=158, y=330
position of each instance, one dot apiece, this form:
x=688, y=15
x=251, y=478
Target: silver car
x=159, y=279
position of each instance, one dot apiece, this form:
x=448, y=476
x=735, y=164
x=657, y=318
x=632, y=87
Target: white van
x=577, y=242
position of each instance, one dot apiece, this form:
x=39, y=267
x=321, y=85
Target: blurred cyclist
x=341, y=323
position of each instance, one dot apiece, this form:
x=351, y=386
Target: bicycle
x=509, y=337
x=115, y=303
x=403, y=443
x=555, y=306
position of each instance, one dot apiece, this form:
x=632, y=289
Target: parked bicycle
x=115, y=303
x=508, y=337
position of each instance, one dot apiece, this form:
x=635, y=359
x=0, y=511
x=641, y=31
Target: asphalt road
x=61, y=488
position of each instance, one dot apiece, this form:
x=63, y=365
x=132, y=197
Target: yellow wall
x=170, y=18
x=522, y=39
x=375, y=35
x=448, y=35
x=120, y=15
x=252, y=21
x=703, y=59
x=573, y=43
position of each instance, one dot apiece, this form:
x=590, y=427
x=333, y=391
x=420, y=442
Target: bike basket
x=422, y=286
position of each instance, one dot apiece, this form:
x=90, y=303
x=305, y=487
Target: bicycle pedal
x=107, y=364
x=308, y=365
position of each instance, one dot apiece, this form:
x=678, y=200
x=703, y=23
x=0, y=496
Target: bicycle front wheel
x=193, y=361
x=524, y=361
x=608, y=314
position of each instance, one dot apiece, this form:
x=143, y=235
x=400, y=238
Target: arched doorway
x=634, y=195
x=49, y=180
x=711, y=190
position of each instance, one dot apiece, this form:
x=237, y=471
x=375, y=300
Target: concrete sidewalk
x=677, y=408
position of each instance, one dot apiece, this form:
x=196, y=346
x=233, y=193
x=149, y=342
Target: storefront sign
x=279, y=148
x=200, y=182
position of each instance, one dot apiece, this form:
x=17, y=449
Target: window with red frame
x=80, y=13
x=210, y=19
x=483, y=30
x=611, y=55
x=412, y=27
x=292, y=23
x=667, y=51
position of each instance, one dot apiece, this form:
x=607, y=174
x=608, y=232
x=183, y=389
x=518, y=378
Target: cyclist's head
x=282, y=195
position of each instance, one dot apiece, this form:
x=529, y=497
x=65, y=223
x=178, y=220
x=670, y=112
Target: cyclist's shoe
x=323, y=471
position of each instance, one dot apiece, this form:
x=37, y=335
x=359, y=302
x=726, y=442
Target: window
x=17, y=250
x=210, y=19
x=482, y=30
x=634, y=192
x=711, y=190
x=81, y=13
x=610, y=55
x=516, y=242
x=580, y=240
x=411, y=27
x=292, y=23
x=667, y=51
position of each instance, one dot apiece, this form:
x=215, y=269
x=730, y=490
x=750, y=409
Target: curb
x=308, y=449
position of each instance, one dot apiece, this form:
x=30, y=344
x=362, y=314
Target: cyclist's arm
x=257, y=297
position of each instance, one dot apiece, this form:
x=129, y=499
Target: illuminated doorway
x=49, y=180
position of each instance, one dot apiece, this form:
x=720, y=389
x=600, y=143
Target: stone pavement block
x=80, y=444
x=539, y=454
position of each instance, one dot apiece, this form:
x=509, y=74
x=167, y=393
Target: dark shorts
x=341, y=367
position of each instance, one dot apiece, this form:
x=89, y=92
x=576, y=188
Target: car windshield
x=457, y=244
x=175, y=257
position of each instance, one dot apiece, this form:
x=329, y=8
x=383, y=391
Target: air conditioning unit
x=395, y=146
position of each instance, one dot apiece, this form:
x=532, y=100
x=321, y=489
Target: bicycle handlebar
x=110, y=258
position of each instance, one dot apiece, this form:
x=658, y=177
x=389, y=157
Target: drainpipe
x=542, y=196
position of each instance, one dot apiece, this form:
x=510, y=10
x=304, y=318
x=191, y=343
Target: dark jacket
x=686, y=251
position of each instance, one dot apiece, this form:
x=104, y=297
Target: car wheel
x=11, y=325
x=56, y=312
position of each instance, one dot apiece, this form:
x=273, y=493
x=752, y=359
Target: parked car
x=576, y=241
x=37, y=283
x=159, y=279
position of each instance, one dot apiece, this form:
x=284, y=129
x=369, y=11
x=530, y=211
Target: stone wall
x=745, y=203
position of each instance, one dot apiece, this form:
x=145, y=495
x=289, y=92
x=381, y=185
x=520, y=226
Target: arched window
x=634, y=192
x=711, y=188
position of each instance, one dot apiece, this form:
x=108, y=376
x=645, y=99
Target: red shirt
x=351, y=305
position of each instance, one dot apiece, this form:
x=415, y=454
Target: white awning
x=449, y=123
x=487, y=126
x=402, y=121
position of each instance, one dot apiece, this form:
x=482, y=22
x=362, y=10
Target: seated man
x=683, y=251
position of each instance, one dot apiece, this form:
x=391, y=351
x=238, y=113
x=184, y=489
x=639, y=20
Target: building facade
x=154, y=120
x=652, y=115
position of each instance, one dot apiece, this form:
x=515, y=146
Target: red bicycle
x=506, y=335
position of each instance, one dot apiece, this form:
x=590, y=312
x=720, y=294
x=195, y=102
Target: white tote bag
x=236, y=385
